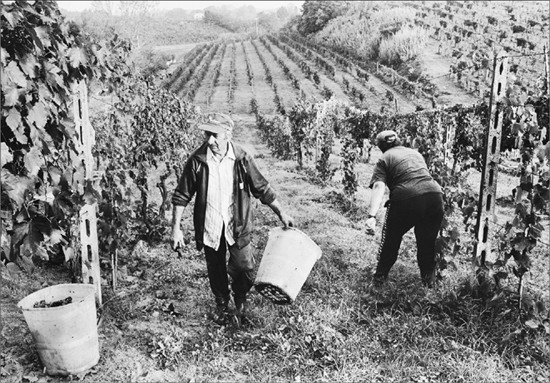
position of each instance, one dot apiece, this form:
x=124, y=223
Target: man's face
x=217, y=142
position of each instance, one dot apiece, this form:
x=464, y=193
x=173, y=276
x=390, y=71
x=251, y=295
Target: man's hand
x=287, y=220
x=177, y=235
x=177, y=238
x=371, y=225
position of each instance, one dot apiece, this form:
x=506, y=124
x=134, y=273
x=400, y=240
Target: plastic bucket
x=287, y=261
x=65, y=336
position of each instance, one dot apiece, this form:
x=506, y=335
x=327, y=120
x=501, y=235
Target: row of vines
x=142, y=135
x=452, y=142
x=470, y=35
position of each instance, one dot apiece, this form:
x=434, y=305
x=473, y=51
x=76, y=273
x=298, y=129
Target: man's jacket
x=247, y=181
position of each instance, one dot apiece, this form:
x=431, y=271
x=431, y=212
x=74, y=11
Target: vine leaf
x=28, y=65
x=11, y=95
x=15, y=186
x=38, y=226
x=33, y=161
x=69, y=253
x=91, y=195
x=13, y=72
x=5, y=56
x=43, y=36
x=77, y=57
x=38, y=115
x=4, y=241
x=55, y=175
x=13, y=120
x=5, y=156
x=26, y=264
x=20, y=230
x=11, y=17
x=52, y=75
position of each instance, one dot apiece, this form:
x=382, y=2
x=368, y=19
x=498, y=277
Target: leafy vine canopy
x=42, y=59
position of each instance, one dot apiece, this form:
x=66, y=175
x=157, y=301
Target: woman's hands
x=371, y=225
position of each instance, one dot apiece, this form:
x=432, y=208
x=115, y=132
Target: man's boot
x=428, y=278
x=221, y=316
x=240, y=312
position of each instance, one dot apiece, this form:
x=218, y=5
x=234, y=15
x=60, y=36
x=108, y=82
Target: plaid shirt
x=219, y=199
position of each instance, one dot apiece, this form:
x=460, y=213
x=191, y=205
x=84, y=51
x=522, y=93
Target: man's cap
x=217, y=123
x=386, y=137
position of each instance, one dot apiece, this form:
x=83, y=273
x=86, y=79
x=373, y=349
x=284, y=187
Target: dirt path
x=437, y=66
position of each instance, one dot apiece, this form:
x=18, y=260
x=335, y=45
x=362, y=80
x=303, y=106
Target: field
x=375, y=89
x=156, y=326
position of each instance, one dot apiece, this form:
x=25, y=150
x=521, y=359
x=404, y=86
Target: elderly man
x=416, y=200
x=223, y=177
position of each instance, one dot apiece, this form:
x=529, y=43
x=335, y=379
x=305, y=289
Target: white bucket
x=287, y=261
x=65, y=336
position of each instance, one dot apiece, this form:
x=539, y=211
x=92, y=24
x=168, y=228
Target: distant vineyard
x=183, y=32
x=295, y=69
x=471, y=33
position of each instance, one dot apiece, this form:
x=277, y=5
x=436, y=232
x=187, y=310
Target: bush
x=149, y=62
x=375, y=32
x=404, y=46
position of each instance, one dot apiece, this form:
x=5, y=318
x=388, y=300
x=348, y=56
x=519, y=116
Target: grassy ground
x=156, y=326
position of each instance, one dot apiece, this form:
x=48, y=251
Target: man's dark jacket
x=247, y=180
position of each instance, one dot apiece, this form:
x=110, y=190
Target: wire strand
x=504, y=227
x=449, y=74
x=523, y=55
x=100, y=100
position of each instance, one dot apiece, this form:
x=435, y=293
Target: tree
x=316, y=14
x=127, y=18
x=282, y=13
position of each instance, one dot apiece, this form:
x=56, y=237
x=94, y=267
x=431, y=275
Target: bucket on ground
x=287, y=261
x=65, y=336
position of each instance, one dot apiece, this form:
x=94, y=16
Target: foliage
x=528, y=129
x=275, y=131
x=351, y=60
x=405, y=45
x=43, y=176
x=454, y=147
x=159, y=32
x=151, y=62
x=316, y=14
x=350, y=154
x=460, y=39
x=146, y=135
x=147, y=27
x=375, y=32
x=241, y=19
x=272, y=21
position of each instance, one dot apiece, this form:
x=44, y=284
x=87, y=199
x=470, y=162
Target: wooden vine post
x=88, y=213
x=491, y=155
x=546, y=70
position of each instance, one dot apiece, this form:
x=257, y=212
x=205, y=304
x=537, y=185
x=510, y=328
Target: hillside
x=308, y=101
x=452, y=65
